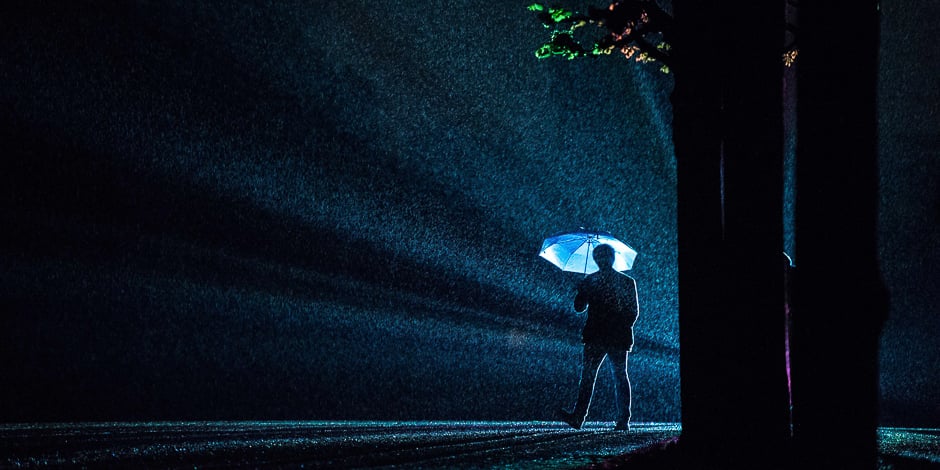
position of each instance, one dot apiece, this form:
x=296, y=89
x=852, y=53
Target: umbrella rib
x=572, y=252
x=568, y=258
x=587, y=255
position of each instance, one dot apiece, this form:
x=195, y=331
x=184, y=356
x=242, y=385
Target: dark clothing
x=611, y=299
x=591, y=361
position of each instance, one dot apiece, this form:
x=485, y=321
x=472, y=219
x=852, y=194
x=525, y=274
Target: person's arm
x=580, y=300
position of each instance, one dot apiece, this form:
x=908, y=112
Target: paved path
x=319, y=444
x=427, y=445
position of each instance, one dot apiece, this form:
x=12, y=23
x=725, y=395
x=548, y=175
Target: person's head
x=604, y=256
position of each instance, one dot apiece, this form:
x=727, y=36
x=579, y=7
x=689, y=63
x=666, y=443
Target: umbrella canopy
x=574, y=251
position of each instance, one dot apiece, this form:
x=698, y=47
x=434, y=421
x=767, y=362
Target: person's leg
x=591, y=361
x=618, y=361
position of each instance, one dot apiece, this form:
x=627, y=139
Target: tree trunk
x=839, y=300
x=696, y=101
x=728, y=136
x=753, y=195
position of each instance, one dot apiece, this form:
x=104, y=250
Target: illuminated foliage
x=789, y=57
x=634, y=28
x=562, y=44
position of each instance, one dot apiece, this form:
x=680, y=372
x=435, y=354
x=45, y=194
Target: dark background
x=332, y=210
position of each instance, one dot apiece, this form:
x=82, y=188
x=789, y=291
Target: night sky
x=333, y=210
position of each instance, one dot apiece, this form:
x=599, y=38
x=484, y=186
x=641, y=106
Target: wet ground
x=307, y=444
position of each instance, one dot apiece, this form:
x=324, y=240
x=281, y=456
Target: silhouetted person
x=611, y=300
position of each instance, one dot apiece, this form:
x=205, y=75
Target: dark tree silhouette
x=728, y=137
x=840, y=301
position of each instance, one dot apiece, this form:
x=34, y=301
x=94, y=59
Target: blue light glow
x=329, y=210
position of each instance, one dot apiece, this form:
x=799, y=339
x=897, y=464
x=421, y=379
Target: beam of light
x=260, y=222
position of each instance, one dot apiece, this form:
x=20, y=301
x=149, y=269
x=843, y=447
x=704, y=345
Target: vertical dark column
x=751, y=334
x=728, y=135
x=839, y=302
x=696, y=103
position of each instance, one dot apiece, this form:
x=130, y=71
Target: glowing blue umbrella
x=574, y=251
